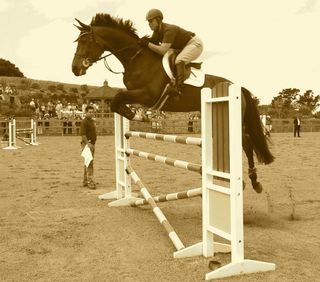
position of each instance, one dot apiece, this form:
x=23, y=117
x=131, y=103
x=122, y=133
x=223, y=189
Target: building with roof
x=103, y=96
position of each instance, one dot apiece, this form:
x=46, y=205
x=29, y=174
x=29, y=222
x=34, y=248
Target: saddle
x=193, y=73
x=193, y=76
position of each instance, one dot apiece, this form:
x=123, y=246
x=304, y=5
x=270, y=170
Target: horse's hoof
x=258, y=187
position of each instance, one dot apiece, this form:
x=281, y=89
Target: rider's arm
x=160, y=49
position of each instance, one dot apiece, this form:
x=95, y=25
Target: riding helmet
x=154, y=13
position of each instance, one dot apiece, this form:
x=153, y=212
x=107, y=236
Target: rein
x=118, y=51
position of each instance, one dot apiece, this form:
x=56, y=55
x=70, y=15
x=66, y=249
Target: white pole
x=14, y=133
x=12, y=136
x=33, y=138
x=122, y=193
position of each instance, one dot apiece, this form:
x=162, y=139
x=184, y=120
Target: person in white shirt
x=296, y=125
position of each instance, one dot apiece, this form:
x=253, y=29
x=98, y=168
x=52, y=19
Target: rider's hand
x=144, y=41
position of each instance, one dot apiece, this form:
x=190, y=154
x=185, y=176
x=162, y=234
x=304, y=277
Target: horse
x=145, y=80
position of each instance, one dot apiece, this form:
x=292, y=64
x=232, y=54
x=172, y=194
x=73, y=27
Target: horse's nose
x=75, y=70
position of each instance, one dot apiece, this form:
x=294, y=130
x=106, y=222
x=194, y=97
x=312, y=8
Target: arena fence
x=105, y=126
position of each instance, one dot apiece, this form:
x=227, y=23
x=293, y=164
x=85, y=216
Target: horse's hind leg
x=252, y=172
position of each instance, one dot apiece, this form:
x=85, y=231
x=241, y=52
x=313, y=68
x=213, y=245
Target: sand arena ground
x=53, y=229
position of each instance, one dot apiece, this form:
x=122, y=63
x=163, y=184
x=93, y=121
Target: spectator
x=268, y=125
x=33, y=105
x=77, y=124
x=46, y=118
x=89, y=137
x=1, y=92
x=296, y=125
x=50, y=108
x=83, y=109
x=42, y=110
x=59, y=109
x=190, y=123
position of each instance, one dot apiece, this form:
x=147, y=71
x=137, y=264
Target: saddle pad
x=196, y=77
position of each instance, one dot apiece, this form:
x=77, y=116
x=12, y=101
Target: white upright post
x=122, y=193
x=33, y=138
x=12, y=136
x=222, y=191
x=222, y=181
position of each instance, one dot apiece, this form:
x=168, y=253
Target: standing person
x=89, y=136
x=296, y=124
x=166, y=36
x=33, y=105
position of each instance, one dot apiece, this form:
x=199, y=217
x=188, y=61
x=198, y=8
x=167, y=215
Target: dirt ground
x=53, y=229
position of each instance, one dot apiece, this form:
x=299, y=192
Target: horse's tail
x=253, y=127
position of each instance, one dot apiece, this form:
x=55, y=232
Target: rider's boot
x=180, y=70
x=175, y=88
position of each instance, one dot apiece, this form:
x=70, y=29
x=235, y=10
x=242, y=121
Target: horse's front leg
x=252, y=172
x=120, y=102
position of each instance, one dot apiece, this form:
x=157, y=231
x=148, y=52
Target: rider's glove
x=144, y=41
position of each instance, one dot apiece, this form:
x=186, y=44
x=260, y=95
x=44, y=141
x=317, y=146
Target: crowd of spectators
x=8, y=91
x=58, y=109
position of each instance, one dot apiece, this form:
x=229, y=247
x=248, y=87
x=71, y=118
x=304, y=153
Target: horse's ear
x=86, y=27
x=78, y=27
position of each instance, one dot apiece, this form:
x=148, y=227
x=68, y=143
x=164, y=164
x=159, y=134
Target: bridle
x=87, y=62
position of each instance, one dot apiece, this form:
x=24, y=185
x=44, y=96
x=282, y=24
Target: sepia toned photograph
x=162, y=141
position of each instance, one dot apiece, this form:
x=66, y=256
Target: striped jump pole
x=170, y=197
x=32, y=131
x=156, y=210
x=165, y=137
x=165, y=160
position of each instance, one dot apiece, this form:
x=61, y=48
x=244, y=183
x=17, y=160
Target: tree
x=60, y=87
x=35, y=85
x=9, y=69
x=288, y=97
x=74, y=90
x=309, y=101
x=52, y=88
x=25, y=84
x=286, y=101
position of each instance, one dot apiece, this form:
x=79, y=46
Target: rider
x=167, y=36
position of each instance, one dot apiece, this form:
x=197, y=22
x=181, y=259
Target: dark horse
x=145, y=80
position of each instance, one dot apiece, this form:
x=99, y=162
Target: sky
x=263, y=45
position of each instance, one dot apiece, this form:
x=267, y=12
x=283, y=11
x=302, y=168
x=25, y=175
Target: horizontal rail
x=171, y=197
x=173, y=162
x=165, y=137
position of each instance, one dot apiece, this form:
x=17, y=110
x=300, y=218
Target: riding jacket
x=169, y=33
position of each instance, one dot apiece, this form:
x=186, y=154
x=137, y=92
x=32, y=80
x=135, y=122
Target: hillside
x=17, y=92
x=44, y=84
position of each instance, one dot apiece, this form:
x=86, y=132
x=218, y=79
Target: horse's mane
x=105, y=20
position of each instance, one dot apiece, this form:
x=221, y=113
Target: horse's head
x=88, y=50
